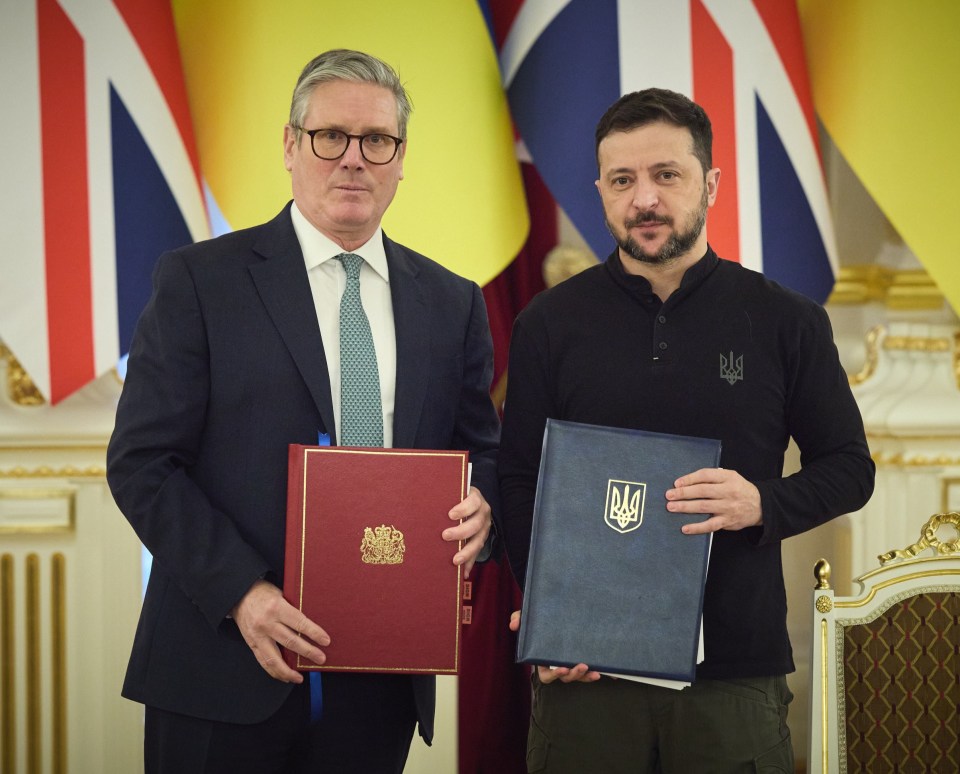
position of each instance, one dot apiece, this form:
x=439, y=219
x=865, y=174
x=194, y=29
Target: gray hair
x=342, y=64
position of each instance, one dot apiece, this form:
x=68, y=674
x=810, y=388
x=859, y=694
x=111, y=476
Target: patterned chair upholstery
x=886, y=662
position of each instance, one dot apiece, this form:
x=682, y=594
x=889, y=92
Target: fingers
x=469, y=505
x=266, y=621
x=580, y=673
x=704, y=527
x=704, y=476
x=728, y=498
x=703, y=484
x=269, y=657
x=474, y=515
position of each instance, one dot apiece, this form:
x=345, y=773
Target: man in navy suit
x=235, y=357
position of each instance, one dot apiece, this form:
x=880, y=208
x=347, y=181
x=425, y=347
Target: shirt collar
x=318, y=248
x=639, y=286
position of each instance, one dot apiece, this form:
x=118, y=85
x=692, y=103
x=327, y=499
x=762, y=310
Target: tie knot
x=351, y=264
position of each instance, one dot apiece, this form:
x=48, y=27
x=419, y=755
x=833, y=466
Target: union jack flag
x=564, y=62
x=100, y=175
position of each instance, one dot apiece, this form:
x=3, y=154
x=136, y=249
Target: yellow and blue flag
x=461, y=201
x=886, y=84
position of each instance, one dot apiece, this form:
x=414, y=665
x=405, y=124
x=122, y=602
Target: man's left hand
x=473, y=531
x=732, y=502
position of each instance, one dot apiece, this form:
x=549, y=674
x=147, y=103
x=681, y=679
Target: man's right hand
x=581, y=673
x=266, y=620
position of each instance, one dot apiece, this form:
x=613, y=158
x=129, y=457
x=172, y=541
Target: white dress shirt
x=327, y=282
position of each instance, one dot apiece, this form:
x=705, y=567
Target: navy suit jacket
x=226, y=369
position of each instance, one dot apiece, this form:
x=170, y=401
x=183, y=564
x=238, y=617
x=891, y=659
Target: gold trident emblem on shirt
x=624, y=508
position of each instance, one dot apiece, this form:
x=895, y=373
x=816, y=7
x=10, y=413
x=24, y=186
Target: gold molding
x=935, y=572
x=914, y=460
x=20, y=387
x=58, y=658
x=956, y=358
x=930, y=345
x=822, y=571
x=32, y=646
x=917, y=344
x=861, y=284
x=873, y=356
x=35, y=493
x=913, y=289
x=928, y=540
x=824, y=705
x=45, y=471
x=60, y=447
x=907, y=289
x=8, y=685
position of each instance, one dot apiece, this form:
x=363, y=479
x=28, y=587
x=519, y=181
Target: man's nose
x=352, y=156
x=645, y=196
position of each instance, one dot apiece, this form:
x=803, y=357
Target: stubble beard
x=678, y=243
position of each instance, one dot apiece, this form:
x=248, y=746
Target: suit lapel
x=413, y=344
x=284, y=288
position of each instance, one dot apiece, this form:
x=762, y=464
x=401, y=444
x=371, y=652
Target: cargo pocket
x=776, y=760
x=538, y=747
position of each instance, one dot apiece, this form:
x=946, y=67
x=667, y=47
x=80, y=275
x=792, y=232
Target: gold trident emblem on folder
x=624, y=508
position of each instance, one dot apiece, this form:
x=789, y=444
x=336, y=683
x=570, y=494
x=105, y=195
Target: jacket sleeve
x=837, y=472
x=157, y=438
x=529, y=402
x=477, y=426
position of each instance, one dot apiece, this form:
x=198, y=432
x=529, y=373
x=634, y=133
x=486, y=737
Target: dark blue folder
x=611, y=581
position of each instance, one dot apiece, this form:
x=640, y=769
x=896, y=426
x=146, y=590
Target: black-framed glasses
x=331, y=144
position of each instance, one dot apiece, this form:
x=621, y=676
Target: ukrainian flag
x=885, y=83
x=461, y=201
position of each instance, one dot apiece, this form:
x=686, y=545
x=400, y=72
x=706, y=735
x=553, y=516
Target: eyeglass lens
x=376, y=148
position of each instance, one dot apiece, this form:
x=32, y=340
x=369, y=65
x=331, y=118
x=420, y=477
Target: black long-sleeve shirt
x=730, y=355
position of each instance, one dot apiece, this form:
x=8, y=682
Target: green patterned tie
x=361, y=414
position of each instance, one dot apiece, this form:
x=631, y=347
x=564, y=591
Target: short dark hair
x=651, y=105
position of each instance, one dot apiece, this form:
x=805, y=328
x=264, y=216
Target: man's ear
x=713, y=185
x=289, y=142
x=401, y=153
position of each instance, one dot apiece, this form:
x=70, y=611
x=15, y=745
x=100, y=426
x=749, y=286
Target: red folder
x=365, y=558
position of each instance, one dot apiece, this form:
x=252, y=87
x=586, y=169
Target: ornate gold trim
x=34, y=701
x=956, y=358
x=8, y=685
x=925, y=344
x=903, y=289
x=31, y=493
x=821, y=571
x=45, y=471
x=58, y=447
x=915, y=460
x=872, y=340
x=824, y=704
x=861, y=284
x=934, y=573
x=20, y=387
x=928, y=540
x=913, y=289
x=58, y=659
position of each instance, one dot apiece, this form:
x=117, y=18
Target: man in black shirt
x=666, y=337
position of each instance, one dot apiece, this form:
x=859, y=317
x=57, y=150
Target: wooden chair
x=886, y=662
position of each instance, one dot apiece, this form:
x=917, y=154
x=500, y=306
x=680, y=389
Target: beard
x=678, y=243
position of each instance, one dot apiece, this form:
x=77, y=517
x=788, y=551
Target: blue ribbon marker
x=316, y=688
